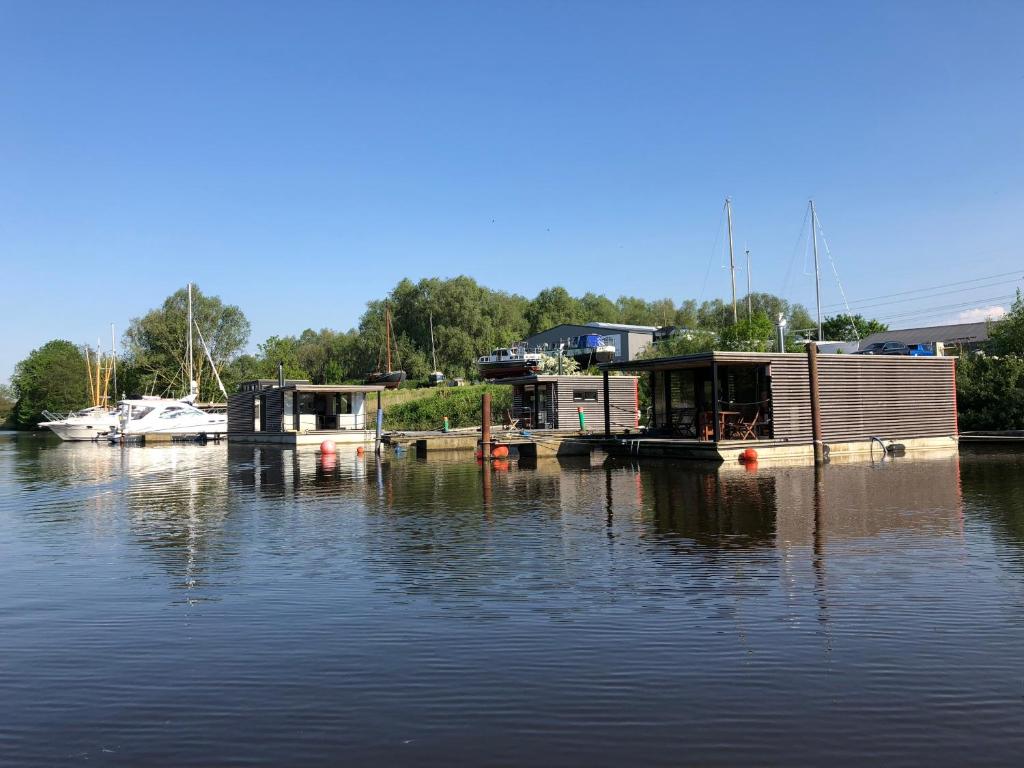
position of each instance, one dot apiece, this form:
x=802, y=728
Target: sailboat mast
x=88, y=370
x=387, y=335
x=433, y=350
x=732, y=258
x=113, y=357
x=817, y=268
x=750, y=312
x=191, y=373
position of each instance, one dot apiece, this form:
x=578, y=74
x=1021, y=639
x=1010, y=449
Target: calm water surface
x=209, y=606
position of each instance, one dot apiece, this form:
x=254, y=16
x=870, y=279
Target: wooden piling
x=485, y=425
x=812, y=380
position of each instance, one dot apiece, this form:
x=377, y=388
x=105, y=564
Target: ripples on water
x=190, y=605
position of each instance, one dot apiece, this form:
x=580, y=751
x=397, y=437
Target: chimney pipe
x=280, y=373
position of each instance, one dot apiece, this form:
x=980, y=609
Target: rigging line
x=839, y=282
x=938, y=308
x=925, y=297
x=796, y=247
x=936, y=287
x=711, y=257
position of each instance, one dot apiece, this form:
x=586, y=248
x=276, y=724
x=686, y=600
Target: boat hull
x=391, y=380
x=504, y=370
x=78, y=432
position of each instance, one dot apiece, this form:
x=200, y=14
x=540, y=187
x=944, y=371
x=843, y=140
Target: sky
x=298, y=159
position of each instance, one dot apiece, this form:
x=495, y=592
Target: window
x=584, y=395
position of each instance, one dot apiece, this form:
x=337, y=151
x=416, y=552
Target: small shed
x=555, y=402
x=297, y=412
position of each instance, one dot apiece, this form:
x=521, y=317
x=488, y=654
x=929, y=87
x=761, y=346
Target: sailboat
x=389, y=378
x=435, y=378
x=141, y=416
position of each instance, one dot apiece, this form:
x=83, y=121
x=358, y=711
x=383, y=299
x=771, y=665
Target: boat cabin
x=555, y=402
x=744, y=398
x=297, y=412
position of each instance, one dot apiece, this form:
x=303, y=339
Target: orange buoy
x=327, y=446
x=500, y=452
x=501, y=466
x=750, y=466
x=749, y=455
x=360, y=450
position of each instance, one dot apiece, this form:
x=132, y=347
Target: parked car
x=922, y=350
x=884, y=348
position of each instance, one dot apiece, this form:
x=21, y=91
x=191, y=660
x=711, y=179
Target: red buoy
x=500, y=452
x=360, y=450
x=327, y=446
x=749, y=455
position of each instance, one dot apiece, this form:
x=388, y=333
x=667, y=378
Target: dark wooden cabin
x=554, y=402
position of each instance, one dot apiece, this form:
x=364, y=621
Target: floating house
x=555, y=402
x=714, y=405
x=300, y=413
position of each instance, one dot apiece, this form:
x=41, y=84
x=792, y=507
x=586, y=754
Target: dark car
x=884, y=348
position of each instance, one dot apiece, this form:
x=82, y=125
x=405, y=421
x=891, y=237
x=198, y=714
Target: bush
x=460, y=404
x=990, y=392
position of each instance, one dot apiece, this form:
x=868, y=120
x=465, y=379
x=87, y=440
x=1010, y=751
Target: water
x=194, y=605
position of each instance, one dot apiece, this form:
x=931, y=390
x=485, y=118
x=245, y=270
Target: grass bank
x=426, y=408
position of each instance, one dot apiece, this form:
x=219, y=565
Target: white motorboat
x=158, y=416
x=88, y=424
x=509, y=361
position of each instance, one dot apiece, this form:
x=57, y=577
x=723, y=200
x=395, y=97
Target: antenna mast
x=750, y=311
x=732, y=258
x=817, y=267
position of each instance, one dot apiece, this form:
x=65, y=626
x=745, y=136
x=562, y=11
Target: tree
x=850, y=328
x=753, y=335
x=157, y=342
x=1007, y=335
x=990, y=392
x=52, y=377
x=551, y=307
x=6, y=405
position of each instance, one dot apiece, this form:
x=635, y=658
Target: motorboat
x=590, y=349
x=87, y=424
x=505, y=362
x=158, y=416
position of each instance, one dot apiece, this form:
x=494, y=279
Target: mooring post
x=485, y=426
x=812, y=378
x=380, y=427
x=607, y=405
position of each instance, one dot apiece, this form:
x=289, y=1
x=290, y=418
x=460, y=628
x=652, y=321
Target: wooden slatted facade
x=862, y=396
x=557, y=408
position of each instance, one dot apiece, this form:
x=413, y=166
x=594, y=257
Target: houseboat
x=715, y=405
x=590, y=349
x=300, y=413
x=556, y=402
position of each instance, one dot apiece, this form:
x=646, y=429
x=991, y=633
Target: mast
x=433, y=351
x=188, y=352
x=88, y=370
x=750, y=312
x=732, y=258
x=113, y=357
x=817, y=268
x=387, y=335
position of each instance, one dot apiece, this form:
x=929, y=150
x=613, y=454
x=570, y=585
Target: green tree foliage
x=1006, y=336
x=990, y=392
x=52, y=377
x=7, y=400
x=753, y=335
x=850, y=327
x=157, y=343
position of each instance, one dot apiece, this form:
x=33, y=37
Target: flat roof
x=702, y=359
x=947, y=334
x=328, y=388
x=551, y=378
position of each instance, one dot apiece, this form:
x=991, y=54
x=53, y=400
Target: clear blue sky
x=299, y=158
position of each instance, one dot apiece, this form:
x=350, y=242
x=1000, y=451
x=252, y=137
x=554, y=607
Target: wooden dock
x=529, y=444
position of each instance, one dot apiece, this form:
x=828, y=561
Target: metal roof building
x=963, y=335
x=629, y=340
